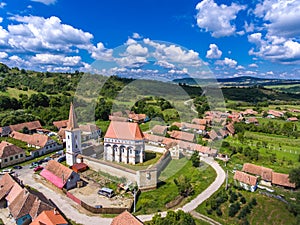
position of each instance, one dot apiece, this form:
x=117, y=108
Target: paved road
x=189, y=207
x=204, y=218
x=70, y=209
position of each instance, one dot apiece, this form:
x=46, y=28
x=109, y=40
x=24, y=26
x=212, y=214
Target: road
x=71, y=209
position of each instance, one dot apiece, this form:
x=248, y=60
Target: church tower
x=73, y=138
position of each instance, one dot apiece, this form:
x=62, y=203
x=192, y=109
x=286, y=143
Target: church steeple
x=72, y=123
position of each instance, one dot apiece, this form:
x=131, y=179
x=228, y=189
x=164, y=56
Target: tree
x=195, y=158
x=184, y=186
x=174, y=218
x=294, y=176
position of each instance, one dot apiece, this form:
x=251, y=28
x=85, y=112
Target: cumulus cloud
x=137, y=50
x=276, y=49
x=213, y=52
x=2, y=5
x=281, y=17
x=217, y=18
x=227, y=62
x=136, y=36
x=1, y=19
x=173, y=53
x=3, y=55
x=56, y=59
x=46, y=2
x=253, y=65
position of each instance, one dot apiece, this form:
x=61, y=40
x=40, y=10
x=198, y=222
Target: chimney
x=55, y=211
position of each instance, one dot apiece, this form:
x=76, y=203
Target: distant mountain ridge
x=238, y=81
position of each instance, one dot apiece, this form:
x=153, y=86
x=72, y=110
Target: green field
x=267, y=211
x=155, y=200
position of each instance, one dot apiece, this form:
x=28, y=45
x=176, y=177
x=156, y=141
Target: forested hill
x=30, y=95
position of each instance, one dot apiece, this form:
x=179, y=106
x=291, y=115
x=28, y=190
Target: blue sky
x=232, y=38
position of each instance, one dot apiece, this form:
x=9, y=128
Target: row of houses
x=25, y=205
x=129, y=116
x=249, y=176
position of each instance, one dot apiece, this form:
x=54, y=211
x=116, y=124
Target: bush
x=243, y=200
x=233, y=209
x=219, y=212
x=233, y=197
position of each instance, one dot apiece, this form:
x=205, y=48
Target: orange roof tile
x=182, y=135
x=199, y=121
x=125, y=218
x=159, y=129
x=30, y=125
x=60, y=124
x=34, y=139
x=72, y=122
x=245, y=178
x=282, y=180
x=124, y=130
x=263, y=172
x=49, y=217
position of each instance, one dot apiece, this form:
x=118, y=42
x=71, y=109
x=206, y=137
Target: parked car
x=61, y=159
x=17, y=167
x=47, y=159
x=106, y=192
x=98, y=206
x=38, y=168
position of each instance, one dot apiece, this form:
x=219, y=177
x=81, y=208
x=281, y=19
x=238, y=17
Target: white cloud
x=213, y=52
x=174, y=54
x=276, y=49
x=270, y=73
x=217, y=18
x=56, y=59
x=281, y=17
x=165, y=64
x=131, y=41
x=253, y=65
x=2, y=5
x=3, y=55
x=137, y=50
x=99, y=52
x=136, y=36
x=1, y=19
x=46, y=2
x=226, y=62
x=239, y=67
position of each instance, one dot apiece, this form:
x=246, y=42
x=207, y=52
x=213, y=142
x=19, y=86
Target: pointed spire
x=72, y=123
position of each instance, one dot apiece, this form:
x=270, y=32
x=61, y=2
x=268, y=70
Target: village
x=77, y=150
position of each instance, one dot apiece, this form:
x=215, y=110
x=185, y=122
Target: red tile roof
x=199, y=121
x=30, y=125
x=159, y=129
x=60, y=124
x=8, y=149
x=49, y=217
x=118, y=118
x=179, y=135
x=6, y=184
x=34, y=139
x=124, y=130
x=282, y=180
x=230, y=128
x=56, y=173
x=125, y=218
x=263, y=172
x=137, y=117
x=245, y=178
x=88, y=128
x=293, y=119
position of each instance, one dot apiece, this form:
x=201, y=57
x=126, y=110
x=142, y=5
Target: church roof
x=124, y=130
x=72, y=122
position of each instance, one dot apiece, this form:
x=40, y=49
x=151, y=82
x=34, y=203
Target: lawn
x=155, y=200
x=151, y=159
x=267, y=211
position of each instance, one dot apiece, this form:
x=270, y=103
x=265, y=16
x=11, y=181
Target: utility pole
x=134, y=199
x=226, y=187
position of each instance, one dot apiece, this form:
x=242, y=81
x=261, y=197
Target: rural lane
x=70, y=208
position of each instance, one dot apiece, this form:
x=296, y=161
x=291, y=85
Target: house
x=282, y=179
x=230, y=128
x=154, y=139
x=199, y=129
x=24, y=206
x=159, y=130
x=213, y=135
x=246, y=181
x=60, y=175
x=252, y=120
x=199, y=121
x=49, y=217
x=138, y=118
x=10, y=154
x=42, y=143
x=124, y=142
x=263, y=172
x=60, y=124
x=31, y=126
x=292, y=119
x=249, y=112
x=184, y=136
x=118, y=118
x=126, y=218
x=89, y=131
x=274, y=113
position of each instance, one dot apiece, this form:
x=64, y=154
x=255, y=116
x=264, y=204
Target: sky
x=153, y=38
